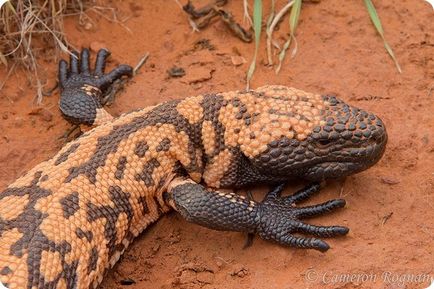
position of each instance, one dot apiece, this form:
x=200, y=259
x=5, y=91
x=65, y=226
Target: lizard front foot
x=275, y=218
x=82, y=89
x=279, y=219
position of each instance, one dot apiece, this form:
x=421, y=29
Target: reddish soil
x=390, y=207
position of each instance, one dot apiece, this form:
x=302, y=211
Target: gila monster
x=69, y=219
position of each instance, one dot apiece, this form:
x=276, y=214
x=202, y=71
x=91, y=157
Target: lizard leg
x=275, y=218
x=83, y=89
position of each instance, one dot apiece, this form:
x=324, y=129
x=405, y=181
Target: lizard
x=68, y=220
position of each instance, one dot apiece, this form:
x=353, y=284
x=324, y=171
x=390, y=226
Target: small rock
x=187, y=276
x=238, y=60
x=43, y=113
x=390, y=180
x=95, y=46
x=196, y=85
x=176, y=72
x=198, y=74
x=156, y=248
x=88, y=26
x=240, y=271
x=18, y=122
x=127, y=281
x=205, y=277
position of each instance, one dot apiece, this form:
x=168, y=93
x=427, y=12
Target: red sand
x=390, y=207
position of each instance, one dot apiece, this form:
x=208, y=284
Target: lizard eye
x=324, y=143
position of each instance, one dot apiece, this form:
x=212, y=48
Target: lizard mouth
x=331, y=170
x=347, y=161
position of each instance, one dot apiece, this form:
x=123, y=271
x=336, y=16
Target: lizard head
x=327, y=138
x=350, y=141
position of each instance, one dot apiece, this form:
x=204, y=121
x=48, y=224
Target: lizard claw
x=279, y=219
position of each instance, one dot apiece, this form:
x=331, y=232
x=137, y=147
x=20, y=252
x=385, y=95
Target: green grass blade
x=293, y=22
x=374, y=17
x=294, y=16
x=377, y=23
x=257, y=24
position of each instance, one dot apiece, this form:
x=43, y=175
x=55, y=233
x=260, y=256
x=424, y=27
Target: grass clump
x=28, y=28
x=257, y=23
x=377, y=23
x=293, y=22
x=294, y=6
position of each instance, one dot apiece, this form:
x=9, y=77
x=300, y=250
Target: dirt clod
x=127, y=281
x=43, y=113
x=198, y=74
x=239, y=271
x=238, y=60
x=390, y=180
x=176, y=72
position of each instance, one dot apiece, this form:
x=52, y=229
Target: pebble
x=43, y=113
x=238, y=60
x=127, y=281
x=198, y=74
x=390, y=180
x=240, y=271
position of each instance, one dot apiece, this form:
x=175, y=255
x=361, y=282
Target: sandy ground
x=390, y=206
